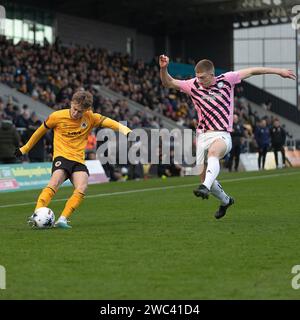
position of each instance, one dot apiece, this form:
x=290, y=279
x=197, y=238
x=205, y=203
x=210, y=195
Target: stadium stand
x=124, y=89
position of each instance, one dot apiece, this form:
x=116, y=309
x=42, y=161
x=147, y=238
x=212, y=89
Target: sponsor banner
x=26, y=176
x=97, y=173
x=293, y=157
x=270, y=161
x=8, y=184
x=249, y=161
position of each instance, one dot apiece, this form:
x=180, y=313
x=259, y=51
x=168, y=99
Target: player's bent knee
x=82, y=188
x=217, y=149
x=54, y=184
x=215, y=152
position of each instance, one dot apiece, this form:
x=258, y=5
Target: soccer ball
x=124, y=171
x=42, y=218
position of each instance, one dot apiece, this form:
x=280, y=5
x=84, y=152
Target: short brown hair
x=204, y=66
x=83, y=98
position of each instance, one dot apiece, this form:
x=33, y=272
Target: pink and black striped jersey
x=214, y=104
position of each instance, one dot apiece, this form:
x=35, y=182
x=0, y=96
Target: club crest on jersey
x=83, y=125
x=220, y=84
x=57, y=163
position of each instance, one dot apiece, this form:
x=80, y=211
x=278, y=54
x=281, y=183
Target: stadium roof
x=154, y=16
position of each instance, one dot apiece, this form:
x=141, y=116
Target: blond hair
x=83, y=98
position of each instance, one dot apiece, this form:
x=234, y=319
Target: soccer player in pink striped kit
x=213, y=99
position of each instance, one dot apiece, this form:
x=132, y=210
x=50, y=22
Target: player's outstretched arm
x=166, y=79
x=37, y=135
x=249, y=72
x=114, y=125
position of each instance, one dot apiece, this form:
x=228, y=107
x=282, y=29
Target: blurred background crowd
x=51, y=73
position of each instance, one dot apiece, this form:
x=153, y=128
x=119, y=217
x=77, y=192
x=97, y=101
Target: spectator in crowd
x=262, y=137
x=175, y=169
x=278, y=136
x=112, y=171
x=162, y=168
x=10, y=111
x=91, y=146
x=9, y=141
x=135, y=171
x=50, y=74
x=237, y=134
x=22, y=121
x=172, y=169
x=91, y=156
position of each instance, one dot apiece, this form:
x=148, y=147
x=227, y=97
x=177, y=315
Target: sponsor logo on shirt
x=73, y=133
x=220, y=84
x=211, y=96
x=83, y=125
x=57, y=163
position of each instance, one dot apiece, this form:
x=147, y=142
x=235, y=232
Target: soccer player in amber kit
x=71, y=129
x=213, y=99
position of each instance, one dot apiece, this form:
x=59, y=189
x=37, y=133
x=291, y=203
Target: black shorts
x=69, y=166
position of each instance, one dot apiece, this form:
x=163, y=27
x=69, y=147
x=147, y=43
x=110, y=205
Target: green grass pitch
x=154, y=240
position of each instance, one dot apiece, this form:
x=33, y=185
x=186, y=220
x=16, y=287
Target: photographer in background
x=9, y=141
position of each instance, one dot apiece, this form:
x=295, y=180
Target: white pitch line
x=157, y=189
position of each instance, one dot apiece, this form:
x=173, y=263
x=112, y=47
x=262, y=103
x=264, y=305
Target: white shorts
x=205, y=140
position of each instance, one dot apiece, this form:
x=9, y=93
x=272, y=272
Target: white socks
x=210, y=182
x=212, y=171
x=217, y=191
x=62, y=219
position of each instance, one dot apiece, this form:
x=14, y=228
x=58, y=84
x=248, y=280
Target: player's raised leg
x=197, y=191
x=216, y=151
x=80, y=182
x=226, y=200
x=218, y=192
x=57, y=178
